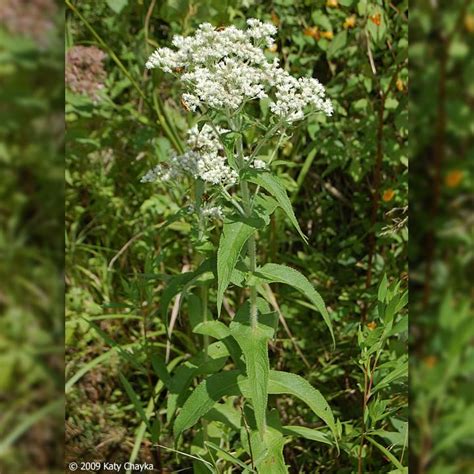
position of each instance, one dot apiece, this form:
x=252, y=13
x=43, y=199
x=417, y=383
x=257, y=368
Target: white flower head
x=223, y=69
x=259, y=164
x=212, y=212
x=204, y=160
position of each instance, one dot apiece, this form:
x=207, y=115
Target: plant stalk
x=251, y=244
x=252, y=252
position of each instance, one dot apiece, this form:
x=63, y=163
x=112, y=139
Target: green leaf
x=134, y=398
x=276, y=273
x=195, y=310
x=383, y=289
x=201, y=363
x=226, y=414
x=283, y=382
x=304, y=171
x=268, y=451
x=215, y=329
x=397, y=373
x=226, y=455
x=233, y=238
x=337, y=43
x=178, y=385
x=308, y=433
x=117, y=5
x=386, y=453
x=400, y=327
x=273, y=185
x=204, y=397
x=391, y=103
x=160, y=369
x=254, y=345
x=220, y=331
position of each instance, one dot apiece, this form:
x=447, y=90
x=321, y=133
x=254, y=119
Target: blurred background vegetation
x=31, y=237
x=441, y=239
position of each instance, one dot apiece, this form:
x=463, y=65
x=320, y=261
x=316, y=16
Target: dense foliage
x=441, y=258
x=31, y=240
x=347, y=179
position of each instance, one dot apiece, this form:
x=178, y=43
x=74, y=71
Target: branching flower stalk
x=225, y=73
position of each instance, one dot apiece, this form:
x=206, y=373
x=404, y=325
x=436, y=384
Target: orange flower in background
x=388, y=194
x=275, y=19
x=372, y=325
x=469, y=23
x=430, y=361
x=332, y=3
x=400, y=85
x=327, y=34
x=454, y=178
x=312, y=31
x=350, y=22
x=376, y=19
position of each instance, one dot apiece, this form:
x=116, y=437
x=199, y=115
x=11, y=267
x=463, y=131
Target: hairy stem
x=251, y=244
x=204, y=290
x=252, y=252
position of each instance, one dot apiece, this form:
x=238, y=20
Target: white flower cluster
x=257, y=164
x=204, y=160
x=212, y=212
x=294, y=95
x=225, y=68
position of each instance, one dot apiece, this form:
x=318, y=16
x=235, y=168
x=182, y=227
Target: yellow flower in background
x=430, y=361
x=372, y=325
x=312, y=31
x=327, y=34
x=350, y=22
x=332, y=3
x=400, y=85
x=469, y=23
x=273, y=48
x=454, y=178
x=388, y=194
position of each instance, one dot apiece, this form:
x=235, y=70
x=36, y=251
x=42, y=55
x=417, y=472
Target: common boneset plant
x=234, y=89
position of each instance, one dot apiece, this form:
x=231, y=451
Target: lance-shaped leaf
x=135, y=400
x=273, y=185
x=204, y=397
x=274, y=273
x=201, y=363
x=292, y=384
x=234, y=235
x=254, y=344
x=215, y=329
x=219, y=330
x=308, y=433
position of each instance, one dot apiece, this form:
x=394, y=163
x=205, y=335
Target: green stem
x=204, y=291
x=251, y=244
x=252, y=252
x=204, y=317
